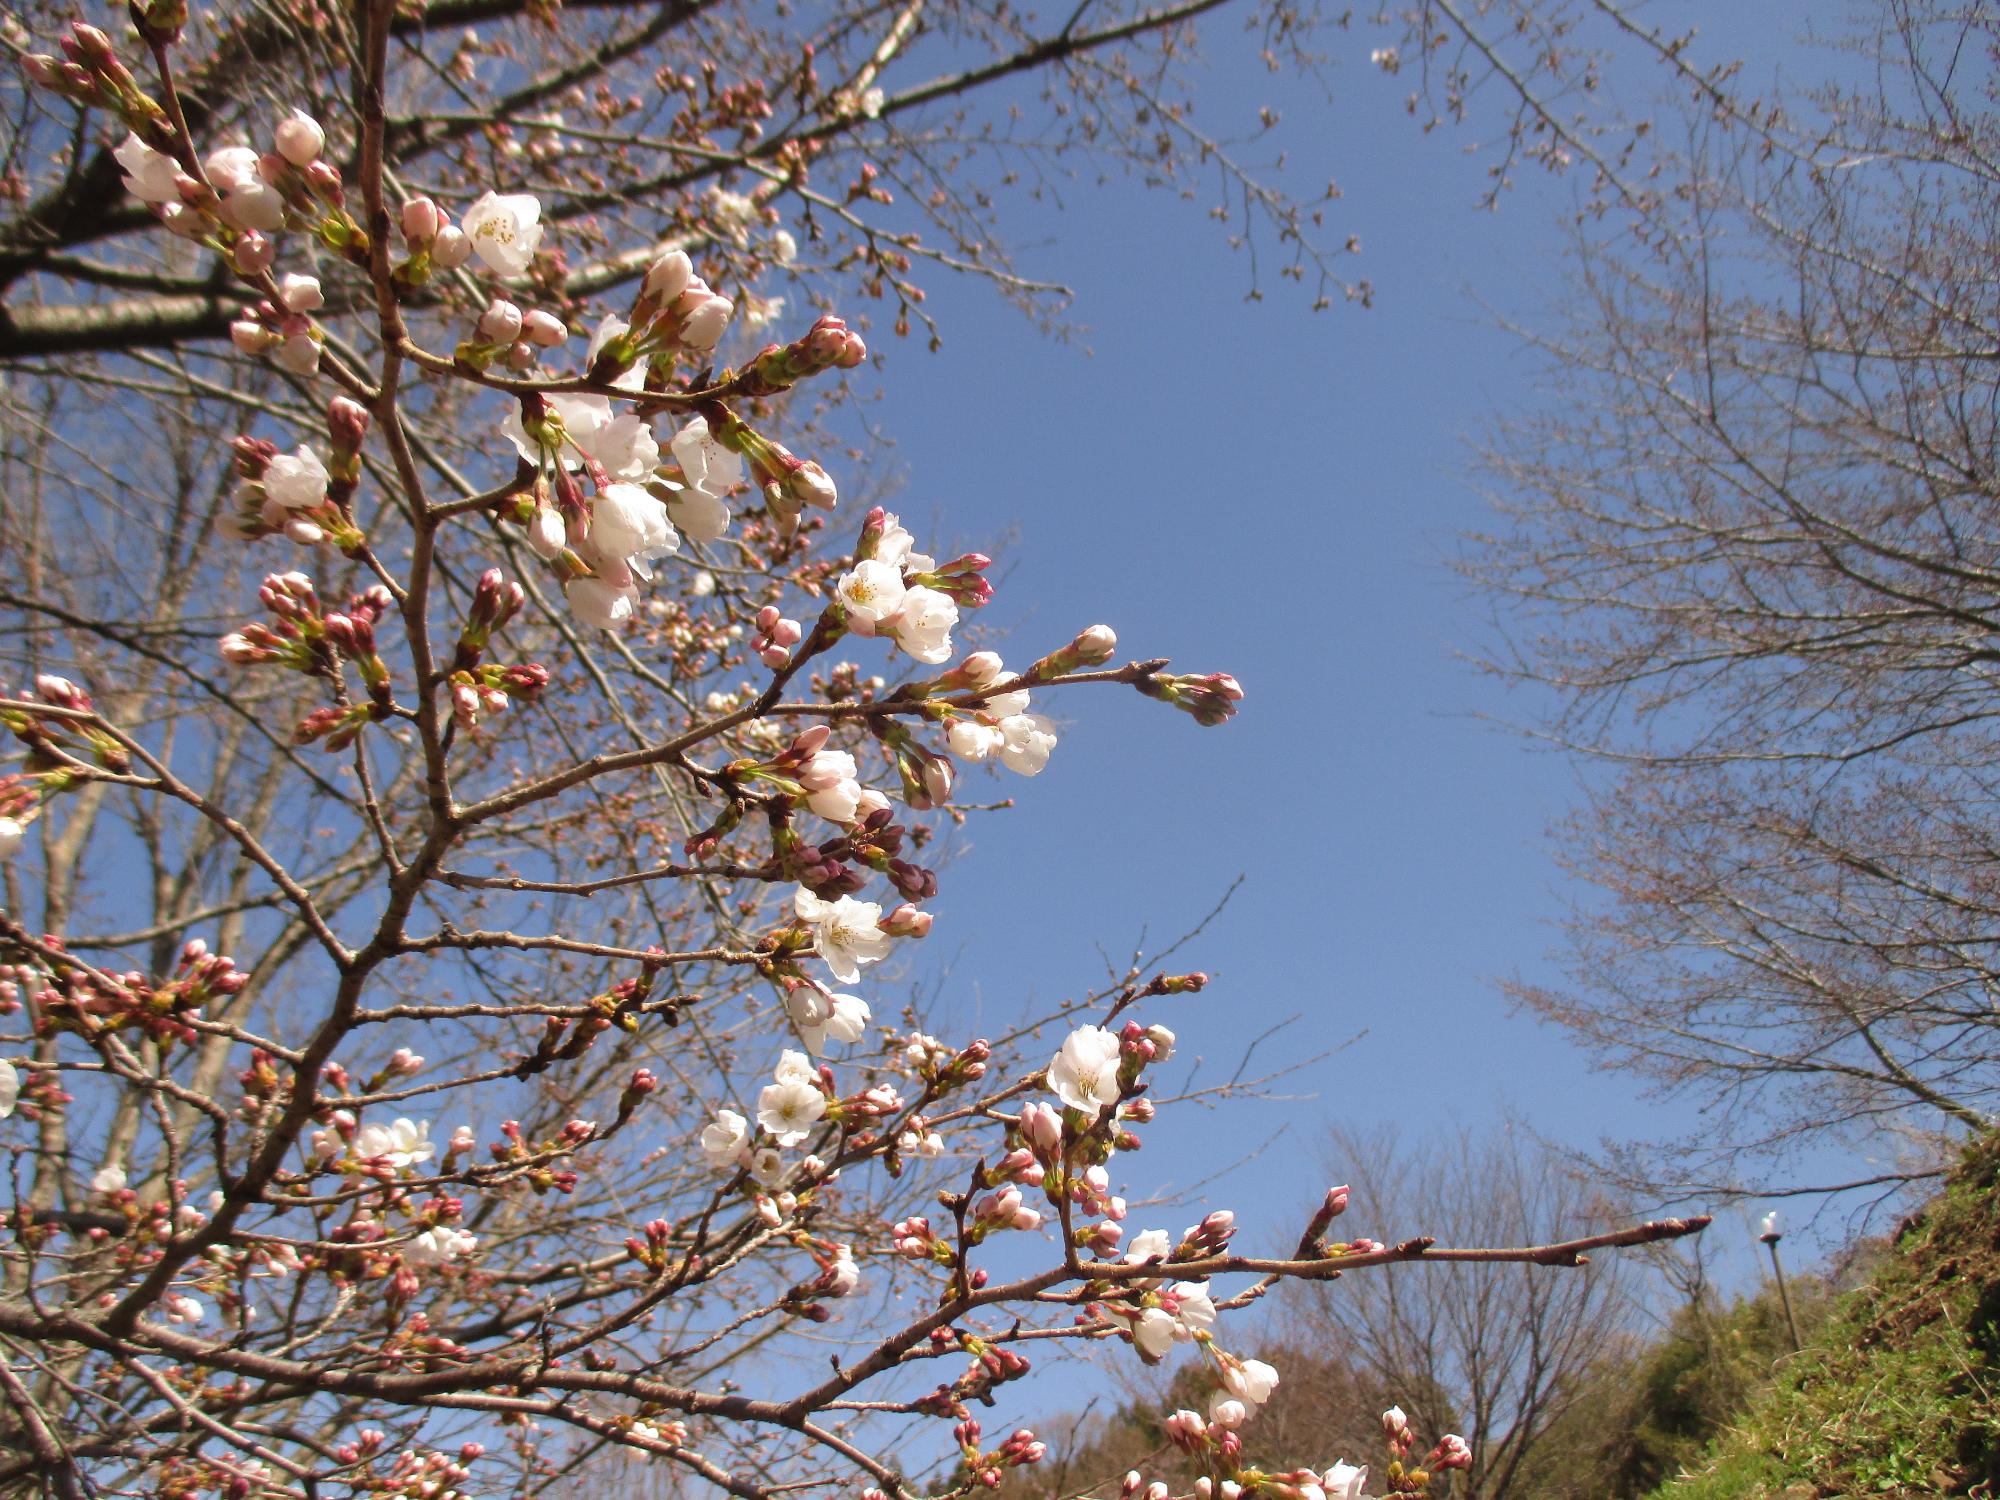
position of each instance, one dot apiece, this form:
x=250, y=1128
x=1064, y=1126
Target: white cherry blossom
x=872, y=592
x=149, y=174
x=702, y=516
x=1194, y=1309
x=794, y=1067
x=296, y=481
x=1250, y=1380
x=596, y=601
x=820, y=1014
x=401, y=1144
x=1026, y=740
x=1346, y=1481
x=10, y=1088
x=1153, y=1332
x=1084, y=1074
x=505, y=230
x=628, y=523
x=789, y=1110
x=922, y=627
x=722, y=1142
x=845, y=933
x=706, y=463
x=109, y=1179
x=439, y=1246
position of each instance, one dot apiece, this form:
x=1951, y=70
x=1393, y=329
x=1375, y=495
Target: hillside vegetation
x=1898, y=1391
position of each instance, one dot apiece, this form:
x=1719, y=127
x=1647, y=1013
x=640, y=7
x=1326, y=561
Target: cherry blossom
x=149, y=174
x=628, y=523
x=1345, y=1481
x=296, y=481
x=872, y=592
x=819, y=1014
x=10, y=1088
x=1084, y=1074
x=398, y=1145
x=439, y=1245
x=1193, y=1309
x=13, y=834
x=599, y=602
x=1026, y=740
x=922, y=626
x=789, y=1109
x=1153, y=1333
x=723, y=1140
x=846, y=932
x=1249, y=1380
x=300, y=139
x=505, y=230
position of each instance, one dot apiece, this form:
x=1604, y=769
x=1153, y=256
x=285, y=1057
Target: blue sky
x=1254, y=488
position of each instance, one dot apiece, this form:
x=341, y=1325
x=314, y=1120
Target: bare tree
x=1753, y=551
x=1502, y=1357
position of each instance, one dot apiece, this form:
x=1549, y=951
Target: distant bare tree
x=1499, y=1357
x=1753, y=547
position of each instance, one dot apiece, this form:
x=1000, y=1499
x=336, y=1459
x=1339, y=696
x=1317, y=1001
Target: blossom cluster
x=327, y=1217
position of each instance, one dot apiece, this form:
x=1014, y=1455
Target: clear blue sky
x=1254, y=488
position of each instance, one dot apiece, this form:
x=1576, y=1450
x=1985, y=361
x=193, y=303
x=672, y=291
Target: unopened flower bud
x=301, y=294
x=1095, y=645
x=544, y=329
x=346, y=423
x=500, y=323
x=300, y=138
x=668, y=276
x=252, y=253
x=421, y=221
x=451, y=249
x=251, y=337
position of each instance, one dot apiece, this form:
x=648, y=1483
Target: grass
x=1898, y=1395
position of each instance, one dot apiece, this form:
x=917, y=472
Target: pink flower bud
x=451, y=249
x=521, y=358
x=906, y=920
x=299, y=354
x=251, y=337
x=299, y=138
x=301, y=294
x=981, y=669
x=324, y=180
x=1094, y=645
x=1042, y=1126
x=668, y=277
x=1336, y=1201
x=500, y=323
x=544, y=329
x=421, y=221
x=253, y=253
x=1452, y=1452
x=346, y=423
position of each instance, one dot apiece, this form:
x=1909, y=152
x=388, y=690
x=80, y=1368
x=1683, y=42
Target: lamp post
x=1770, y=1236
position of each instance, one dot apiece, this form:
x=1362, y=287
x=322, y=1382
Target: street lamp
x=1770, y=1235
